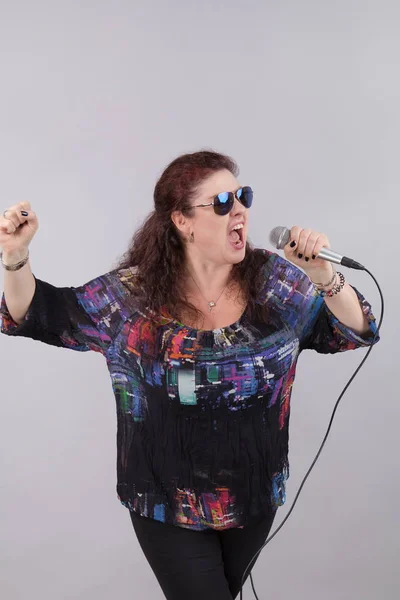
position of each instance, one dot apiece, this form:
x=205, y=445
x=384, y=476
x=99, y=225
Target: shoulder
x=109, y=292
x=122, y=281
x=127, y=278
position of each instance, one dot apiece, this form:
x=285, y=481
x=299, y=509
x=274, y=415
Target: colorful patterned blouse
x=202, y=416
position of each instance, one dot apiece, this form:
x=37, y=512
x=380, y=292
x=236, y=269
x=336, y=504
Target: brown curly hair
x=157, y=251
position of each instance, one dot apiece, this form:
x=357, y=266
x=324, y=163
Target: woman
x=201, y=333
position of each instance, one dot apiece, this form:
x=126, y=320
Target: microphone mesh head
x=279, y=237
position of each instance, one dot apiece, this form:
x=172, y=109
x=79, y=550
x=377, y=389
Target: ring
x=4, y=214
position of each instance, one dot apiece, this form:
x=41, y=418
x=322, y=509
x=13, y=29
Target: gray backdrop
x=96, y=98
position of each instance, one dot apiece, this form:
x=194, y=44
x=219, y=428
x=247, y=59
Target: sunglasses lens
x=246, y=196
x=223, y=203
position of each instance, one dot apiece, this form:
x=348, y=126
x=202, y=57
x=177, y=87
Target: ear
x=180, y=221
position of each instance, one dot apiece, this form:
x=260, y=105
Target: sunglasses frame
x=231, y=195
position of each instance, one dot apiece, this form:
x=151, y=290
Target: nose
x=238, y=208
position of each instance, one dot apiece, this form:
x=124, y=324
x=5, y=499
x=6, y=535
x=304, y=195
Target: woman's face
x=214, y=241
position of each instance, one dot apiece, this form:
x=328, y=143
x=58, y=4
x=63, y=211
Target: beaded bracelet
x=336, y=288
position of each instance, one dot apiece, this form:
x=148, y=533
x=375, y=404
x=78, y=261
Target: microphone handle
x=336, y=258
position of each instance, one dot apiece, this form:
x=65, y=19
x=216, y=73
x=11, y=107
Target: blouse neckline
x=234, y=325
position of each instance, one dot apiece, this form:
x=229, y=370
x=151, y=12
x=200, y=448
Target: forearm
x=19, y=287
x=347, y=309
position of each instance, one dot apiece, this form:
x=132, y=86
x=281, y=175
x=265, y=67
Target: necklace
x=212, y=303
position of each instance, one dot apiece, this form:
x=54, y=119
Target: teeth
x=240, y=226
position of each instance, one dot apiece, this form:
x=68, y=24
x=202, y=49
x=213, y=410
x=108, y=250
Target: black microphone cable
x=322, y=445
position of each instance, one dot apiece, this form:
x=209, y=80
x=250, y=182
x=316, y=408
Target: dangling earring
x=191, y=238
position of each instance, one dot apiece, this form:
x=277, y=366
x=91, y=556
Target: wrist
x=325, y=277
x=338, y=283
x=331, y=285
x=12, y=262
x=12, y=257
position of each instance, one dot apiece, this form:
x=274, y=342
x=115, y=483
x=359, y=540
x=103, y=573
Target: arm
x=19, y=287
x=346, y=307
x=83, y=318
x=290, y=293
x=79, y=318
x=347, y=311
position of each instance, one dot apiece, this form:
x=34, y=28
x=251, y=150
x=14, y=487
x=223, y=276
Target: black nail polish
x=314, y=257
x=300, y=255
x=24, y=213
x=292, y=244
x=306, y=259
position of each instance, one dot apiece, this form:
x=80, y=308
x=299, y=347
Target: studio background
x=96, y=99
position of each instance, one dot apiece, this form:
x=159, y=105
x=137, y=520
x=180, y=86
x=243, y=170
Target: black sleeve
x=80, y=318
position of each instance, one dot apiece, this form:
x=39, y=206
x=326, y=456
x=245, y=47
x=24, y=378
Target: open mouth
x=236, y=236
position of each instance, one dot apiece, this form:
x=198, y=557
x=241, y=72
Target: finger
x=7, y=226
x=321, y=242
x=309, y=250
x=302, y=243
x=294, y=239
x=14, y=215
x=17, y=209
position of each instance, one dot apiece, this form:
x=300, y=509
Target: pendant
x=211, y=306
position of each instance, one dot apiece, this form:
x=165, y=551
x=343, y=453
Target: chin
x=236, y=256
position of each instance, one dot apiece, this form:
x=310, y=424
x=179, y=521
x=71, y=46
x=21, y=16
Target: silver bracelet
x=15, y=267
x=335, y=289
x=322, y=285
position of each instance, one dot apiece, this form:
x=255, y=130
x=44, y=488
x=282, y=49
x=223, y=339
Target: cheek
x=213, y=232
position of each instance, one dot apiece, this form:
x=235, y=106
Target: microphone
x=280, y=236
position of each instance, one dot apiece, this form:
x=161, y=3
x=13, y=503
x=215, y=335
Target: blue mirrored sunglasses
x=223, y=202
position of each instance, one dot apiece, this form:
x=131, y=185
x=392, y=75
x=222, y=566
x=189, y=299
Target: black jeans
x=199, y=564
